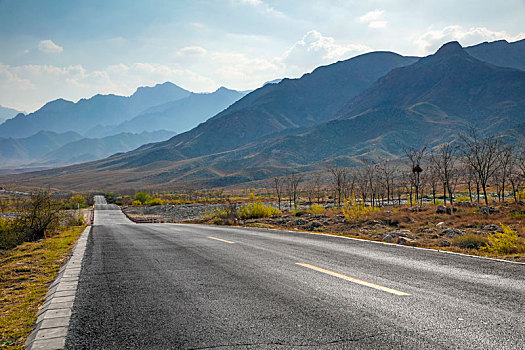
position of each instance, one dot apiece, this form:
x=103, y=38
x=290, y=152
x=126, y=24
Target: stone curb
x=53, y=317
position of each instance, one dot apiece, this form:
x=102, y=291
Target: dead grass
x=25, y=274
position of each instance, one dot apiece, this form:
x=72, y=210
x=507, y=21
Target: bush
x=462, y=199
x=316, y=209
x=506, y=242
x=40, y=216
x=135, y=202
x=354, y=211
x=469, y=241
x=298, y=212
x=155, y=201
x=257, y=210
x=142, y=197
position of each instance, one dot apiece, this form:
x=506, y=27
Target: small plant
x=506, y=242
x=155, y=201
x=355, y=211
x=463, y=199
x=135, y=202
x=316, y=209
x=257, y=210
x=469, y=241
x=142, y=197
x=298, y=212
x=518, y=215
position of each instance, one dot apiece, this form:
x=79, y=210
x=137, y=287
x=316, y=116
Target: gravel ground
x=171, y=213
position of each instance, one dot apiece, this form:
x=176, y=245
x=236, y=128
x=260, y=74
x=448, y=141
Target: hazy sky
x=74, y=49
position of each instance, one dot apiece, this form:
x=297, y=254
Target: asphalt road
x=174, y=286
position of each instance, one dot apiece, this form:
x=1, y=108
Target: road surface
x=175, y=286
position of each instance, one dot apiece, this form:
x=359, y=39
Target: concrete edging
x=53, y=317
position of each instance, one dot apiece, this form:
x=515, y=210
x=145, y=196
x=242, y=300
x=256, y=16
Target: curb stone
x=53, y=317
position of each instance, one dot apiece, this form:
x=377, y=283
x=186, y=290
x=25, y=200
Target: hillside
x=21, y=150
x=62, y=116
x=500, y=53
x=312, y=99
x=89, y=149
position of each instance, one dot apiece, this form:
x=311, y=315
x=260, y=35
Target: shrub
x=155, y=201
x=462, y=199
x=316, y=209
x=258, y=210
x=298, y=212
x=135, y=202
x=469, y=241
x=40, y=216
x=518, y=215
x=142, y=197
x=354, y=211
x=506, y=242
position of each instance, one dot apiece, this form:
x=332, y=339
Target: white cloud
x=432, y=39
x=371, y=16
x=314, y=49
x=377, y=24
x=238, y=69
x=192, y=51
x=262, y=7
x=374, y=19
x=48, y=46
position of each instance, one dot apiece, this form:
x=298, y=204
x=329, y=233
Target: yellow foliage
x=258, y=210
x=355, y=211
x=136, y=203
x=506, y=242
x=316, y=209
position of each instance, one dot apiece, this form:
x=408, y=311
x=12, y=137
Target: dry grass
x=25, y=273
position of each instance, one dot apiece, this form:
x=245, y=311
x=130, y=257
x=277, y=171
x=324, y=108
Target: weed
x=506, y=242
x=258, y=210
x=316, y=209
x=470, y=241
x=355, y=211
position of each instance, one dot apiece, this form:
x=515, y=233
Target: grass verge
x=25, y=274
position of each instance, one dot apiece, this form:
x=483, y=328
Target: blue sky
x=74, y=49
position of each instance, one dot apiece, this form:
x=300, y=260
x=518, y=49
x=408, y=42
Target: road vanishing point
x=178, y=286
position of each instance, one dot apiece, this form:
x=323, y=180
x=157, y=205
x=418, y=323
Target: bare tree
x=387, y=171
x=278, y=186
x=482, y=155
x=506, y=160
x=414, y=157
x=293, y=181
x=339, y=179
x=445, y=163
x=318, y=185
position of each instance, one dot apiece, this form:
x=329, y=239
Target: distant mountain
x=21, y=150
x=181, y=115
x=89, y=149
x=7, y=113
x=427, y=103
x=310, y=100
x=61, y=115
x=500, y=53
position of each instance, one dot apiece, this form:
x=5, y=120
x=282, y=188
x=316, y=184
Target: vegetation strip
x=53, y=318
x=25, y=275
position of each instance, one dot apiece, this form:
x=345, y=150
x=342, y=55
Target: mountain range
x=178, y=115
x=7, y=113
x=369, y=106
x=51, y=149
